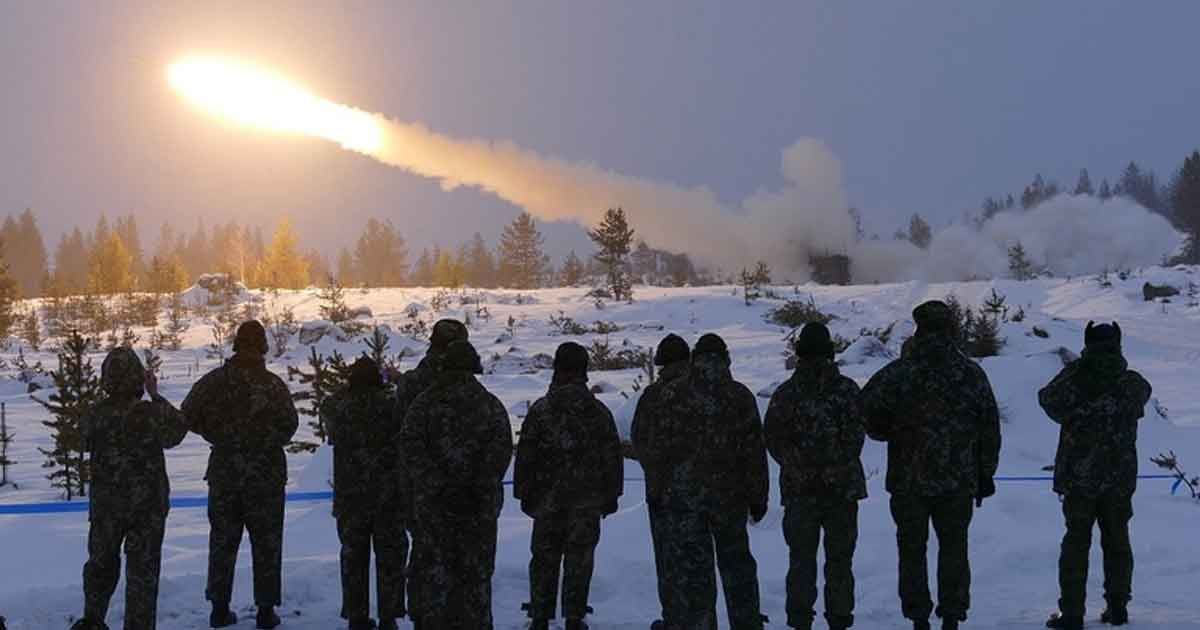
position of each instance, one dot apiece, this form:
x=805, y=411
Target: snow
x=1014, y=538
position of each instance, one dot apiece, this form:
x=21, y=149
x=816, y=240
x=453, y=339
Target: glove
x=987, y=488
x=757, y=513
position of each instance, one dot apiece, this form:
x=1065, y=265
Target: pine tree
x=573, y=271
x=332, y=299
x=71, y=262
x=1019, y=265
x=26, y=252
x=521, y=258
x=422, y=275
x=985, y=341
x=1141, y=187
x=6, y=439
x=447, y=271
x=77, y=390
x=1105, y=193
x=380, y=255
x=195, y=252
x=317, y=264
x=166, y=276
x=127, y=230
x=111, y=267
x=613, y=238
x=919, y=232
x=1185, y=204
x=1084, y=185
x=644, y=260
x=1037, y=192
x=328, y=376
x=284, y=267
x=480, y=264
x=346, y=273
x=8, y=296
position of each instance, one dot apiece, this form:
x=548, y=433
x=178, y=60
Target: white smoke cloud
x=1068, y=235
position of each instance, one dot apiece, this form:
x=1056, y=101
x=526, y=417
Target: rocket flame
x=247, y=95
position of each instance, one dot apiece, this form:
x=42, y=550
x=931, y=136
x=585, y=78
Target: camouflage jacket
x=365, y=439
x=708, y=445
x=457, y=444
x=246, y=413
x=1098, y=401
x=414, y=382
x=569, y=455
x=646, y=417
x=125, y=439
x=815, y=429
x=936, y=410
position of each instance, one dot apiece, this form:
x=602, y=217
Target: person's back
x=1097, y=401
x=935, y=409
x=568, y=475
x=246, y=413
x=814, y=428
x=457, y=443
x=714, y=476
x=130, y=494
x=368, y=497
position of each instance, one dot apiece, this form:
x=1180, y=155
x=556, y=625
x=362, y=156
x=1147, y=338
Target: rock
x=1151, y=292
x=361, y=312
x=1040, y=332
x=603, y=387
x=1067, y=356
x=516, y=361
x=314, y=331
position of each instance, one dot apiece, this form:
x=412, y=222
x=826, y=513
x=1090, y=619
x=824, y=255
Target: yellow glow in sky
x=244, y=94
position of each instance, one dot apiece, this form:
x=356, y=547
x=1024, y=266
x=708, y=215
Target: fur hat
x=672, y=349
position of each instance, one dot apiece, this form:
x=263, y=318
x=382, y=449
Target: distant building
x=830, y=269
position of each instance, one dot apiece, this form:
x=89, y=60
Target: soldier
x=936, y=410
x=568, y=475
x=1098, y=401
x=712, y=463
x=367, y=498
x=815, y=430
x=457, y=442
x=246, y=413
x=672, y=357
x=125, y=437
x=409, y=385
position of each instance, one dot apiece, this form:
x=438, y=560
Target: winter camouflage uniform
x=936, y=410
x=1098, y=401
x=568, y=475
x=125, y=437
x=711, y=461
x=815, y=430
x=367, y=499
x=246, y=413
x=409, y=386
x=457, y=442
x=645, y=422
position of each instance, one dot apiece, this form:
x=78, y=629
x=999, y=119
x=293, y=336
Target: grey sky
x=929, y=105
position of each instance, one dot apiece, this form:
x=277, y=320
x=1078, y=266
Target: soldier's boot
x=949, y=624
x=840, y=622
x=388, y=624
x=576, y=624
x=266, y=618
x=85, y=623
x=658, y=624
x=222, y=616
x=921, y=624
x=1115, y=615
x=539, y=624
x=1059, y=621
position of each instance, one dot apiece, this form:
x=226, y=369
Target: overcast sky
x=930, y=106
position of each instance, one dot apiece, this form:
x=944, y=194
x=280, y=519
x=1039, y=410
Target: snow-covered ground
x=1014, y=539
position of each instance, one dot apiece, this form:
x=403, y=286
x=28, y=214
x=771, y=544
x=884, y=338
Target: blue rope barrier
x=67, y=507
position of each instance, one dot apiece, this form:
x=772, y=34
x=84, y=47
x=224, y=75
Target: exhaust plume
x=783, y=227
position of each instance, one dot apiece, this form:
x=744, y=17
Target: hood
x=933, y=347
x=710, y=368
x=672, y=371
x=122, y=374
x=817, y=370
x=1099, y=370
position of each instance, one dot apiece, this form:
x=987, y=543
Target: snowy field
x=1014, y=539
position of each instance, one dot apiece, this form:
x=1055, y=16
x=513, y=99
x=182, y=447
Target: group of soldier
x=420, y=458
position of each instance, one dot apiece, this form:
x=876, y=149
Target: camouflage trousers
x=259, y=511
x=457, y=563
x=359, y=531
x=655, y=540
x=568, y=539
x=142, y=537
x=688, y=539
x=1112, y=513
x=951, y=518
x=805, y=520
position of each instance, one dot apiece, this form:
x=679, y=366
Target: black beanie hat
x=462, y=357
x=364, y=374
x=1102, y=336
x=251, y=337
x=447, y=331
x=672, y=349
x=814, y=340
x=933, y=317
x=571, y=357
x=711, y=344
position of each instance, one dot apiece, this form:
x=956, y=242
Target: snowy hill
x=1015, y=537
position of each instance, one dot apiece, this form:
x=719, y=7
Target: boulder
x=361, y=312
x=1151, y=292
x=314, y=331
